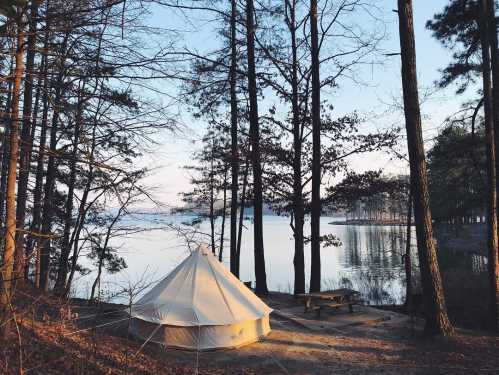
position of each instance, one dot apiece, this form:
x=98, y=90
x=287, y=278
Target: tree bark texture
x=234, y=187
x=437, y=321
x=260, y=274
x=315, y=214
x=493, y=261
x=7, y=268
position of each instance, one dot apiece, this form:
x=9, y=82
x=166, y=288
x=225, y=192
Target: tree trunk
x=7, y=118
x=83, y=208
x=97, y=280
x=33, y=237
x=47, y=216
x=48, y=209
x=315, y=214
x=104, y=249
x=26, y=143
x=260, y=274
x=241, y=218
x=298, y=205
x=7, y=268
x=493, y=261
x=224, y=210
x=212, y=201
x=437, y=321
x=234, y=187
x=28, y=248
x=98, y=277
x=62, y=271
x=5, y=165
x=407, y=255
x=38, y=191
x=82, y=213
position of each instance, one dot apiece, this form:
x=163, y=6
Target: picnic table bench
x=316, y=301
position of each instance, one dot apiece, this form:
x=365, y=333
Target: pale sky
x=383, y=88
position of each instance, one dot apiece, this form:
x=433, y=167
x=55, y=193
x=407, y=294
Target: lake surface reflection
x=368, y=260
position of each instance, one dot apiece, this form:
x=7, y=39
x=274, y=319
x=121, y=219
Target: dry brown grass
x=57, y=338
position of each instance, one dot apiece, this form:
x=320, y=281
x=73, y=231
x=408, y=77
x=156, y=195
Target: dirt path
x=379, y=349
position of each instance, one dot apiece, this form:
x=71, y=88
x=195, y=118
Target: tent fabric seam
x=221, y=291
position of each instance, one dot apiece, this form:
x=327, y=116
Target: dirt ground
x=96, y=342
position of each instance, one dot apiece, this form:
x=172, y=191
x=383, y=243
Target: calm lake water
x=368, y=260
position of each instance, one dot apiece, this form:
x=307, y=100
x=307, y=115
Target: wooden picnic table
x=315, y=301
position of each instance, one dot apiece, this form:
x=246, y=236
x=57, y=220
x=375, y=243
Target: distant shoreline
x=370, y=223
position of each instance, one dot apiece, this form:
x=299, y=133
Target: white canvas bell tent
x=200, y=305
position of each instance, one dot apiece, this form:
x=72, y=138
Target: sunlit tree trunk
x=7, y=267
x=437, y=321
x=6, y=148
x=260, y=274
x=315, y=214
